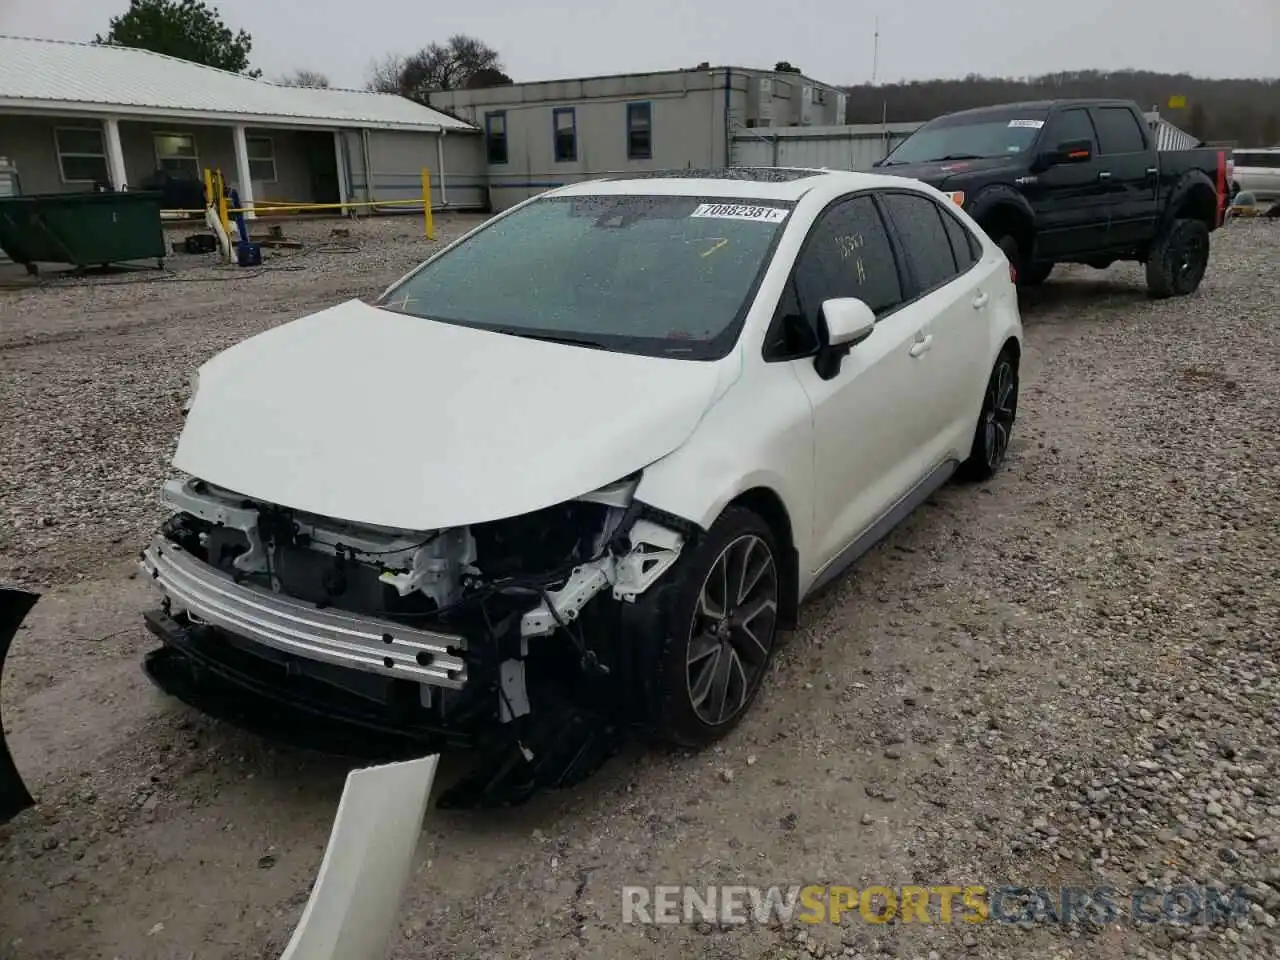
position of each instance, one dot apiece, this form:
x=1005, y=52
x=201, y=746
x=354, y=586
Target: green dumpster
x=82, y=229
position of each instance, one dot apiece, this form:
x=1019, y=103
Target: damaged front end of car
x=519, y=640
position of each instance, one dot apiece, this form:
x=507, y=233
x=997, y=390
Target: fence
x=215, y=186
x=851, y=147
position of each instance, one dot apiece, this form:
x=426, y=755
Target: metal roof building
x=73, y=115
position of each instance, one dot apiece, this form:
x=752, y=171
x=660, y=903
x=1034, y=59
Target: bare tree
x=306, y=78
x=448, y=66
x=384, y=74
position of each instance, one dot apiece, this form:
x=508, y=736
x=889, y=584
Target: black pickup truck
x=1074, y=181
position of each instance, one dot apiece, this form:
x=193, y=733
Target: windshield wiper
x=554, y=338
x=957, y=156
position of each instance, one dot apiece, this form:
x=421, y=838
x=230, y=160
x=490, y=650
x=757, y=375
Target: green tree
x=187, y=29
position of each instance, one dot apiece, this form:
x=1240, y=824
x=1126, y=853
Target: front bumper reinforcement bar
x=291, y=626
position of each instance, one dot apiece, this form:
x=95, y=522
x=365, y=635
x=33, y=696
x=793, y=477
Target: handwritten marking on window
x=720, y=242
x=849, y=246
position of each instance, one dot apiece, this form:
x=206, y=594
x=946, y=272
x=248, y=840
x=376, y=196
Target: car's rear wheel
x=1178, y=259
x=995, y=422
x=720, y=630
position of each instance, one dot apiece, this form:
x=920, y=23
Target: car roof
x=1038, y=105
x=747, y=183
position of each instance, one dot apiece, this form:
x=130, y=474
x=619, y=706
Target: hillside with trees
x=1246, y=112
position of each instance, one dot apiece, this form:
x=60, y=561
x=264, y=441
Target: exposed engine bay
x=496, y=633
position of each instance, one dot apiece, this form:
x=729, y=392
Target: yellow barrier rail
x=215, y=186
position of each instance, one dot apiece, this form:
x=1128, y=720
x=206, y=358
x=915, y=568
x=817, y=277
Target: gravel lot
x=1069, y=676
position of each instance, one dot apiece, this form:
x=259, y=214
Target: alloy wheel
x=1001, y=408
x=732, y=631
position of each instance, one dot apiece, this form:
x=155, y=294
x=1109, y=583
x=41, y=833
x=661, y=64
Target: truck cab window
x=1069, y=125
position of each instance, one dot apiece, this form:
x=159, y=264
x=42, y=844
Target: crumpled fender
x=14, y=796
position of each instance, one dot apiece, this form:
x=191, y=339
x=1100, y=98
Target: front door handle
x=980, y=300
x=921, y=347
x=1105, y=175
x=1152, y=171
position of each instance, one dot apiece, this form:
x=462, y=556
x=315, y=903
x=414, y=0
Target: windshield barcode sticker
x=1033, y=124
x=734, y=211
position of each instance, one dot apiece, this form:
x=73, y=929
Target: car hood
x=940, y=174
x=381, y=418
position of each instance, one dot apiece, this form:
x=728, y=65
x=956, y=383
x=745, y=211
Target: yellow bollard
x=428, y=219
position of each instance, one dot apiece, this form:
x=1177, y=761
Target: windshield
x=975, y=138
x=662, y=275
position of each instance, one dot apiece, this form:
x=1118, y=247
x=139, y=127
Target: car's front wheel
x=720, y=630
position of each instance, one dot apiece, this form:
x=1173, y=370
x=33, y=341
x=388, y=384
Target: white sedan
x=575, y=472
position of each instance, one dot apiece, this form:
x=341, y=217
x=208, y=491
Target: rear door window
x=964, y=245
x=918, y=222
x=1118, y=131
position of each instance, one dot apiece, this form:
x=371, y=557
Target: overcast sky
x=831, y=40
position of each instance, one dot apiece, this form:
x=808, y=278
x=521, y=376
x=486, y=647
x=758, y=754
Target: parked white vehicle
x=1257, y=172
x=576, y=471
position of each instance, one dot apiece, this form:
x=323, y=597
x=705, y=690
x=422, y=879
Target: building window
x=564, y=126
x=495, y=136
x=176, y=155
x=82, y=155
x=262, y=159
x=639, y=131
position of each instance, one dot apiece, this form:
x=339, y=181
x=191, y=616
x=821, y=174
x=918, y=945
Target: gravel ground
x=1068, y=676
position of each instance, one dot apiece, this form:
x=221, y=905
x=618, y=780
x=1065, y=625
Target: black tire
x=1035, y=274
x=995, y=423
x=1008, y=244
x=1178, y=258
x=677, y=713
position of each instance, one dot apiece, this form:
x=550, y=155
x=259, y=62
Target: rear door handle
x=980, y=300
x=921, y=347
x=1152, y=171
x=1105, y=175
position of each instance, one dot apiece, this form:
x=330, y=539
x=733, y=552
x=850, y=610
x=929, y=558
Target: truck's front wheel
x=1178, y=259
x=1035, y=274
x=1008, y=245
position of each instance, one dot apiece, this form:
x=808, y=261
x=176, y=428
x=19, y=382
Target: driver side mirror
x=843, y=323
x=1069, y=151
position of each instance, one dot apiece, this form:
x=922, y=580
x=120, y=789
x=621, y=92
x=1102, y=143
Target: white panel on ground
x=355, y=903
